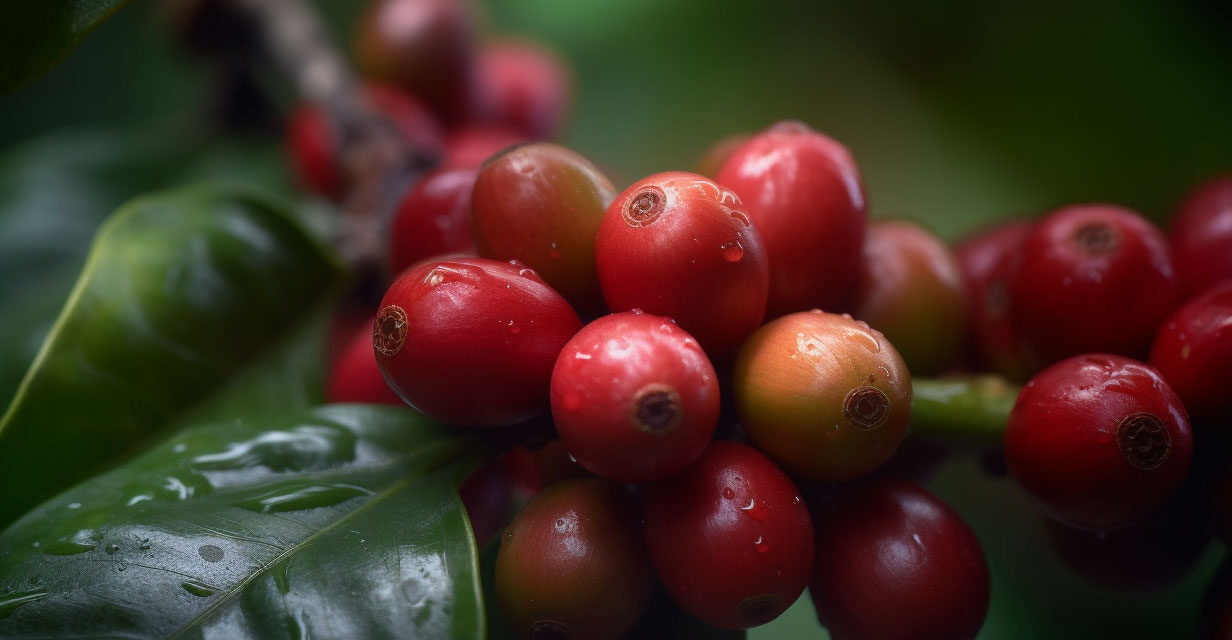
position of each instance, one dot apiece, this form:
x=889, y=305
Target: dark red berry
x=895, y=563
x=471, y=341
x=730, y=537
x=534, y=469
x=803, y=192
x=1091, y=278
x=718, y=153
x=634, y=397
x=542, y=204
x=487, y=495
x=434, y=218
x=825, y=396
x=1193, y=352
x=469, y=147
x=1099, y=440
x=522, y=85
x=572, y=564
x=1201, y=235
x=355, y=376
x=676, y=244
x=984, y=260
x=912, y=292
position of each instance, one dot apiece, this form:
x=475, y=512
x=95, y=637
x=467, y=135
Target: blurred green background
x=959, y=113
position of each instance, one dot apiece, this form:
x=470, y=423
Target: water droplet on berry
x=112, y=548
x=728, y=493
x=754, y=510
x=732, y=251
x=637, y=311
x=554, y=252
x=513, y=328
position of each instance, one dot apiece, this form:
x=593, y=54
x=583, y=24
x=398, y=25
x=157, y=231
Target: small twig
x=973, y=410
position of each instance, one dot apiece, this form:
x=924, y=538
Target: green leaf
x=181, y=290
x=339, y=522
x=35, y=35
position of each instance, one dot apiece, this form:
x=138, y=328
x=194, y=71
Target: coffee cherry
x=425, y=47
x=1201, y=235
x=522, y=85
x=984, y=260
x=471, y=341
x=1193, y=352
x=730, y=537
x=355, y=376
x=895, y=563
x=1091, y=278
x=573, y=565
x=313, y=141
x=487, y=495
x=1098, y=440
x=634, y=397
x=469, y=147
x=803, y=192
x=825, y=396
x=542, y=204
x=718, y=153
x=676, y=244
x=912, y=292
x=433, y=218
x=534, y=469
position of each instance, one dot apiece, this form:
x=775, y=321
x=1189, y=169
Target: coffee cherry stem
x=971, y=410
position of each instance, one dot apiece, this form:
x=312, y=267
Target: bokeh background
x=959, y=113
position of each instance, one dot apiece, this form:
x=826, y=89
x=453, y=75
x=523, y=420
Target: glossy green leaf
x=339, y=522
x=37, y=34
x=181, y=290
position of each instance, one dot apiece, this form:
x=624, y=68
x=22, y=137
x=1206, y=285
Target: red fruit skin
x=542, y=204
x=984, y=260
x=1091, y=278
x=471, y=341
x=692, y=255
x=313, y=142
x=487, y=495
x=1193, y=352
x=524, y=86
x=895, y=563
x=617, y=365
x=469, y=147
x=1075, y=441
x=1201, y=235
x=355, y=376
x=730, y=537
x=803, y=192
x=434, y=218
x=424, y=46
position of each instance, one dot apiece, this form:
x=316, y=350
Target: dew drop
x=754, y=510
x=112, y=548
x=637, y=311
x=145, y=544
x=561, y=525
x=732, y=251
x=513, y=328
x=198, y=588
x=554, y=252
x=728, y=493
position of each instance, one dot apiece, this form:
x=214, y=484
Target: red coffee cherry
x=912, y=292
x=469, y=147
x=718, y=153
x=825, y=396
x=1091, y=278
x=895, y=563
x=471, y=341
x=313, y=141
x=634, y=397
x=1193, y=352
x=355, y=376
x=1201, y=235
x=676, y=244
x=803, y=192
x=522, y=85
x=572, y=564
x=534, y=469
x=433, y=218
x=542, y=204
x=424, y=46
x=1099, y=440
x=984, y=260
x=730, y=537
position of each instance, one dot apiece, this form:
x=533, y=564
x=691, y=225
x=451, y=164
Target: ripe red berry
x=471, y=341
x=573, y=565
x=1201, y=235
x=984, y=260
x=634, y=397
x=522, y=85
x=825, y=396
x=912, y=292
x=1091, y=278
x=676, y=244
x=469, y=147
x=730, y=537
x=718, y=153
x=424, y=46
x=433, y=218
x=1098, y=440
x=314, y=141
x=355, y=376
x=542, y=204
x=894, y=562
x=803, y=192
x=534, y=469
x=1193, y=352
